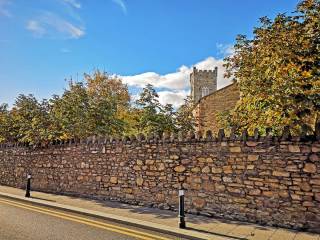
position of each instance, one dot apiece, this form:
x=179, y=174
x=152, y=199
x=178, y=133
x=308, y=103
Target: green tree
x=185, y=118
x=109, y=103
x=167, y=119
x=7, y=133
x=149, y=103
x=101, y=85
x=154, y=117
x=278, y=72
x=30, y=119
x=70, y=112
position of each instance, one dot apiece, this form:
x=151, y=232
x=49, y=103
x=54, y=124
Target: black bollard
x=28, y=185
x=182, y=223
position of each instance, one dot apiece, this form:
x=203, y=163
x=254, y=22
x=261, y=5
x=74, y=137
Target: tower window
x=204, y=91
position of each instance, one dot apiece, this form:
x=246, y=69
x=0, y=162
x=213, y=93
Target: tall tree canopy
x=154, y=117
x=99, y=105
x=278, y=72
x=30, y=119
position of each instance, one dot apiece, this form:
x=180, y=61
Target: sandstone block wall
x=264, y=180
x=208, y=107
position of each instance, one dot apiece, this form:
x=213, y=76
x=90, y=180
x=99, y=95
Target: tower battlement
x=203, y=83
x=205, y=71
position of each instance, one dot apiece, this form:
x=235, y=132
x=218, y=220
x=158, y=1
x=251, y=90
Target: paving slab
x=283, y=234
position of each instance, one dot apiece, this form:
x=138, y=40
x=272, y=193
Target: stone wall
x=208, y=107
x=267, y=180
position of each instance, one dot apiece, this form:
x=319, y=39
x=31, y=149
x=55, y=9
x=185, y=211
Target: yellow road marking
x=110, y=227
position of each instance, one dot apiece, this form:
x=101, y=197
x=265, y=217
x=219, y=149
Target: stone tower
x=203, y=83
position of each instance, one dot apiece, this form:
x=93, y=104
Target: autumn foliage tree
x=278, y=72
x=98, y=105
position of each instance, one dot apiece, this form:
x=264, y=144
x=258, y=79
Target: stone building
x=203, y=83
x=208, y=100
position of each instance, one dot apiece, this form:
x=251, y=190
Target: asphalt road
x=21, y=221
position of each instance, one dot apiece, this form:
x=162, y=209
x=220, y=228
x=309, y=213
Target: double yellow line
x=93, y=223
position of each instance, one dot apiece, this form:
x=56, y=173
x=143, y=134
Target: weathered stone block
x=251, y=144
x=161, y=166
x=314, y=157
x=114, y=180
x=139, y=181
x=202, y=159
x=295, y=197
x=219, y=187
x=195, y=170
x=227, y=179
x=196, y=180
x=305, y=186
x=206, y=169
x=308, y=204
x=139, y=162
x=240, y=200
x=292, y=168
x=149, y=162
x=250, y=167
x=315, y=148
x=265, y=173
x=294, y=148
x=280, y=174
x=255, y=192
x=310, y=168
x=283, y=194
x=216, y=170
x=227, y=169
x=269, y=194
x=235, y=149
x=136, y=167
x=174, y=157
x=253, y=157
x=315, y=182
x=180, y=168
x=198, y=203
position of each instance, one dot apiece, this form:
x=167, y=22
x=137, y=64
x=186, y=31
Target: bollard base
x=182, y=223
x=27, y=194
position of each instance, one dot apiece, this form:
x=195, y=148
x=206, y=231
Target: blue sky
x=43, y=42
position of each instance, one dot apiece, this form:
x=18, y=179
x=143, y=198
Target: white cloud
x=175, y=86
x=225, y=49
x=73, y=3
x=54, y=26
x=176, y=98
x=4, y=8
x=178, y=80
x=121, y=4
x=35, y=27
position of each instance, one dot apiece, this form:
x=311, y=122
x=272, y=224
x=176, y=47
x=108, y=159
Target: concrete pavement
x=198, y=226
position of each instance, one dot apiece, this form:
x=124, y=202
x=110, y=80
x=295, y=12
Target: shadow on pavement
x=44, y=199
